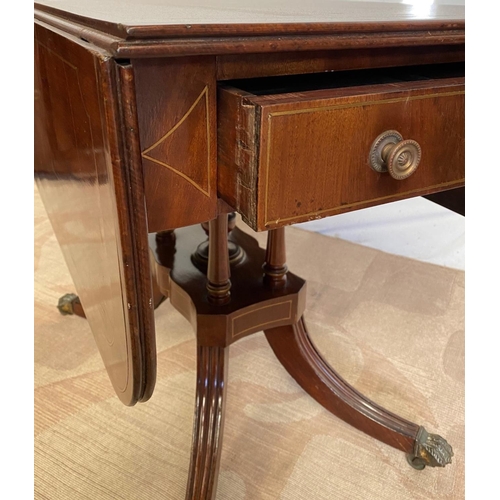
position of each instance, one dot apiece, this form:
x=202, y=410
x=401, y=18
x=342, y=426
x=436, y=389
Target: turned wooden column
x=218, y=271
x=275, y=267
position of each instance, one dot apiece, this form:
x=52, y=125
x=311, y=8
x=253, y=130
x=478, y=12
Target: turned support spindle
x=218, y=271
x=275, y=267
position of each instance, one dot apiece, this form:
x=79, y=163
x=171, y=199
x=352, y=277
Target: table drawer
x=289, y=152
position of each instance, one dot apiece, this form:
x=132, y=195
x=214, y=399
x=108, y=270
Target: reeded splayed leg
x=208, y=423
x=297, y=353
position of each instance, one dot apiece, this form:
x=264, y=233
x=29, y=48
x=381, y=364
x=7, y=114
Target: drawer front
x=290, y=158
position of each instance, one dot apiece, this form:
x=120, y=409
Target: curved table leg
x=297, y=353
x=208, y=423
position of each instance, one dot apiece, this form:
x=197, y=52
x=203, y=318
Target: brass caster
x=66, y=304
x=416, y=462
x=431, y=450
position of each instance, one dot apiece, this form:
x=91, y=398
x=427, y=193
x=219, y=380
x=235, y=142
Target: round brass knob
x=390, y=153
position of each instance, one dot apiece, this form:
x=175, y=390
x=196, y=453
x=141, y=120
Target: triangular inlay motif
x=185, y=148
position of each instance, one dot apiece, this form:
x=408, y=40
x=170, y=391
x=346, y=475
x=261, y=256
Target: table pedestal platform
x=241, y=290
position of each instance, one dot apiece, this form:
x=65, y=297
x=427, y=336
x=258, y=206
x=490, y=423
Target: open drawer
x=292, y=149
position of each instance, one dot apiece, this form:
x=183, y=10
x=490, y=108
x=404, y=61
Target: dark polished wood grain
x=288, y=157
x=90, y=181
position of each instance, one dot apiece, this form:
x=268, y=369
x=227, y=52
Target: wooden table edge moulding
x=149, y=137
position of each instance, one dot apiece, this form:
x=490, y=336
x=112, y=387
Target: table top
x=229, y=17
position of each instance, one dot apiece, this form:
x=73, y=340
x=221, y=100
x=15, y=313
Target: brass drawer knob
x=390, y=153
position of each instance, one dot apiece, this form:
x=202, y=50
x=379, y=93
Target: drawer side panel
x=238, y=142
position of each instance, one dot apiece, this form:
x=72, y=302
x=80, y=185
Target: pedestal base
x=257, y=303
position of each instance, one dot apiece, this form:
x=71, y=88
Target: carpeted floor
x=391, y=326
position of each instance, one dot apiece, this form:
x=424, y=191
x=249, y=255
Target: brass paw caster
x=70, y=304
x=431, y=450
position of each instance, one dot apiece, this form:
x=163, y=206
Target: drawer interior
x=341, y=79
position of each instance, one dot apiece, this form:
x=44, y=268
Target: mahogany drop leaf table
x=154, y=124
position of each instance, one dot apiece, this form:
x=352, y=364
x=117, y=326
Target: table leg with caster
x=297, y=353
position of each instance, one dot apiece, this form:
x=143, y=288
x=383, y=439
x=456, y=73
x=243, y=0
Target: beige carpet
x=393, y=327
